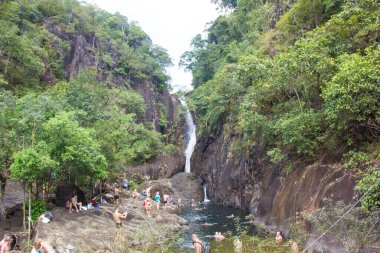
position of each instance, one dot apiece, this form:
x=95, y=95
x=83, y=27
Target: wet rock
x=249, y=181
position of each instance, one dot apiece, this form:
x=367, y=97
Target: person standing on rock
x=148, y=207
x=157, y=198
x=116, y=195
x=148, y=191
x=125, y=182
x=117, y=217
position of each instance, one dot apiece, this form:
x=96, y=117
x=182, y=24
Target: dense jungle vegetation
x=55, y=125
x=301, y=78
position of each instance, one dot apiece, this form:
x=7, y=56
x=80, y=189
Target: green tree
x=126, y=143
x=29, y=166
x=74, y=148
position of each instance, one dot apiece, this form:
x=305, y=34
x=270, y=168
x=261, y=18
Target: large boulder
x=65, y=191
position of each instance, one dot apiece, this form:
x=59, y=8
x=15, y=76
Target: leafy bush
x=276, y=155
x=38, y=208
x=369, y=185
x=299, y=131
x=355, y=159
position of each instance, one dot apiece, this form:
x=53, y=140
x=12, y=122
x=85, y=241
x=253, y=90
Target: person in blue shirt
x=157, y=198
x=125, y=184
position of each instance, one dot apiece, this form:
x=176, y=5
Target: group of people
x=293, y=245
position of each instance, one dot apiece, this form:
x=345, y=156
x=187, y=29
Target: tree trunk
x=29, y=214
x=2, y=192
x=24, y=211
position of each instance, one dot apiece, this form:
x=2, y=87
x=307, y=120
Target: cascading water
x=191, y=138
x=206, y=200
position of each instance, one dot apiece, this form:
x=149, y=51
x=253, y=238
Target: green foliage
x=355, y=159
x=126, y=143
x=299, y=131
x=315, y=88
x=74, y=148
x=369, y=185
x=35, y=43
x=38, y=208
x=276, y=155
x=353, y=94
x=31, y=164
x=8, y=134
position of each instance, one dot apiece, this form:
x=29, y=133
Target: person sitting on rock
x=73, y=203
x=197, y=243
x=193, y=203
x=279, y=238
x=45, y=246
x=117, y=216
x=157, y=198
x=36, y=248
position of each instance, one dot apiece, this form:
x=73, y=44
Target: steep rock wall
x=251, y=182
x=83, y=54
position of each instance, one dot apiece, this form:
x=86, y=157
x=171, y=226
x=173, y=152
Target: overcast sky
x=171, y=24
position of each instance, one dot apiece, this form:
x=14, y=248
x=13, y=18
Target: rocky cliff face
x=251, y=182
x=160, y=104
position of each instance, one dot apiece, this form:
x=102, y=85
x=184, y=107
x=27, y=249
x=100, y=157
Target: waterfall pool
x=207, y=218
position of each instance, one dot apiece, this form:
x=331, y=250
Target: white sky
x=170, y=24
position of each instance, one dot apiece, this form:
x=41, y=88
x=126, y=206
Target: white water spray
x=190, y=137
x=206, y=200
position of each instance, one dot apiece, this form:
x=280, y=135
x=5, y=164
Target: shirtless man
x=118, y=216
x=166, y=201
x=5, y=244
x=197, y=243
x=116, y=195
x=148, y=191
x=279, y=238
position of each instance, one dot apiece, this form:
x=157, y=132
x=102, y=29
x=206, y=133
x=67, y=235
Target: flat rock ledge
x=94, y=231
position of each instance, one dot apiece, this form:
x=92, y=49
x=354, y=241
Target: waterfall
x=190, y=138
x=206, y=200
